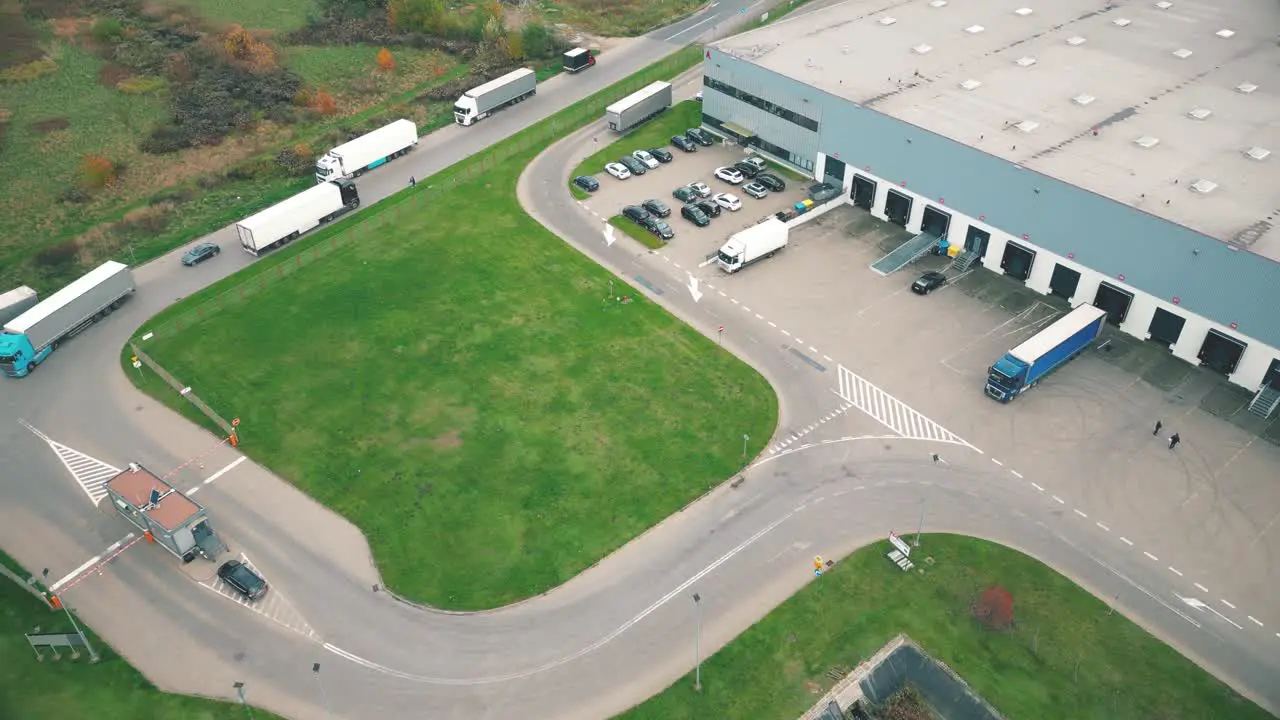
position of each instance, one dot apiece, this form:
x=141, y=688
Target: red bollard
x=150, y=539
x=55, y=602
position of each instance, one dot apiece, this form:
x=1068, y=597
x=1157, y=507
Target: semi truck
x=285, y=221
x=638, y=107
x=15, y=302
x=1026, y=365
x=762, y=240
x=480, y=102
x=354, y=158
x=169, y=518
x=578, y=59
x=29, y=338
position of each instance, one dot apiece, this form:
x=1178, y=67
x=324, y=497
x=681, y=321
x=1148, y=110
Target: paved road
x=610, y=637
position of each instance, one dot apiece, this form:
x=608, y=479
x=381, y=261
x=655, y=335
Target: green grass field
x=618, y=18
x=277, y=15
x=1066, y=658
x=75, y=689
x=637, y=233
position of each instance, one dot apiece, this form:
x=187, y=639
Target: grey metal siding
x=770, y=86
x=1156, y=256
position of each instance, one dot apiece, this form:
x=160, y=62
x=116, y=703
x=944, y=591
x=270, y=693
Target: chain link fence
x=183, y=390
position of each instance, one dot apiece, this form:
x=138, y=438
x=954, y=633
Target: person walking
x=413, y=182
x=1174, y=440
x=1157, y=430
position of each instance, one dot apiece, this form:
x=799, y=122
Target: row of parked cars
x=640, y=162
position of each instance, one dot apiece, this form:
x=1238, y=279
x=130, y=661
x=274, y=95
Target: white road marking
x=1126, y=541
x=1059, y=500
x=773, y=324
x=1034, y=485
x=784, y=332
x=827, y=358
x=734, y=301
x=759, y=316
x=1016, y=474
x=90, y=473
x=697, y=24
x=1153, y=557
x=89, y=563
x=1255, y=621
x=1175, y=571
x=1104, y=527
x=997, y=462
x=1224, y=602
x=274, y=607
x=1081, y=514
x=891, y=412
x=799, y=341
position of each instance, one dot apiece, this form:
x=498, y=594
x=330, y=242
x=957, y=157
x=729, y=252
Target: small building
x=174, y=520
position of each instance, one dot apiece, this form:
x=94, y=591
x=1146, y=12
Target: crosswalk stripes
x=797, y=434
x=891, y=412
x=274, y=607
x=89, y=472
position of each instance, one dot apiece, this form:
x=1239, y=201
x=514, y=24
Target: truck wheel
x=31, y=367
x=117, y=303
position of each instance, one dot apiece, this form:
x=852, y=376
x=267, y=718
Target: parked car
x=709, y=207
x=755, y=190
x=684, y=143
x=747, y=169
x=644, y=158
x=656, y=207
x=928, y=282
x=661, y=229
x=243, y=579
x=729, y=175
x=701, y=188
x=619, y=171
x=700, y=136
x=757, y=162
x=728, y=201
x=823, y=192
x=635, y=214
x=698, y=96
x=586, y=182
x=635, y=166
x=661, y=155
x=684, y=194
x=199, y=253
x=771, y=181
x=694, y=214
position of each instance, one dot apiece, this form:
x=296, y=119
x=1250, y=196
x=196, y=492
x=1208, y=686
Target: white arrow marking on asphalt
x=693, y=288
x=1202, y=606
x=608, y=234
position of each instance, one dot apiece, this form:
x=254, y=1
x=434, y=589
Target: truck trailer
x=15, y=302
x=480, y=102
x=762, y=240
x=169, y=518
x=29, y=338
x=284, y=222
x=352, y=159
x=638, y=107
x=1024, y=366
x=578, y=59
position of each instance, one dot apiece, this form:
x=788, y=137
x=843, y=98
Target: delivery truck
x=638, y=107
x=762, y=240
x=578, y=59
x=15, y=302
x=1024, y=366
x=354, y=158
x=284, y=222
x=29, y=338
x=480, y=102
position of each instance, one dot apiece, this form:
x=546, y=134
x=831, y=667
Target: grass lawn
x=618, y=18
x=74, y=689
x=1067, y=657
x=637, y=233
x=655, y=133
x=277, y=15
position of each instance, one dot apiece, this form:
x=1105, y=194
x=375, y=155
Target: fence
x=183, y=390
x=287, y=261
x=29, y=585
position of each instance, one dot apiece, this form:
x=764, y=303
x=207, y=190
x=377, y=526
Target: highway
x=604, y=641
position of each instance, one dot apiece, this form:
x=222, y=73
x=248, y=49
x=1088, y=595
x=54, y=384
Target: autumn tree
x=515, y=46
x=240, y=45
x=97, y=171
x=323, y=103
x=386, y=62
x=994, y=608
x=427, y=16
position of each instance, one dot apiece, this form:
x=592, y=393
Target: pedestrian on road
x=1157, y=430
x=1174, y=440
x=412, y=181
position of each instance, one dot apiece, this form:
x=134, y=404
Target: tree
x=427, y=16
x=994, y=608
x=536, y=40
x=323, y=103
x=515, y=46
x=97, y=171
x=386, y=62
x=242, y=46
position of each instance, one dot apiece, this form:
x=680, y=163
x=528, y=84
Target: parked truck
x=15, y=302
x=284, y=222
x=480, y=102
x=578, y=59
x=354, y=158
x=762, y=240
x=638, y=107
x=29, y=338
x=170, y=518
x=1024, y=366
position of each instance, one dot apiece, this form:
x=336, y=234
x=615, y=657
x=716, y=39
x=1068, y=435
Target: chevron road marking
x=274, y=607
x=90, y=473
x=892, y=412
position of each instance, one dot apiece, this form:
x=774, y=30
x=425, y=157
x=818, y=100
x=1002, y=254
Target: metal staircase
x=904, y=254
x=964, y=261
x=1265, y=402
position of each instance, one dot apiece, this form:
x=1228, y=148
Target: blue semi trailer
x=1024, y=366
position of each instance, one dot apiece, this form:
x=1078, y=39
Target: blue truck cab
x=18, y=357
x=1024, y=366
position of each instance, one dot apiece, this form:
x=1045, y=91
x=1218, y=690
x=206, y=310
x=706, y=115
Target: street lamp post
x=745, y=438
x=239, y=686
x=324, y=697
x=920, y=526
x=697, y=642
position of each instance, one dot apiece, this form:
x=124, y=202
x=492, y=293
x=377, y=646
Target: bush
x=386, y=61
x=240, y=45
x=323, y=103
x=58, y=256
x=74, y=196
x=297, y=161
x=994, y=608
x=28, y=71
x=97, y=172
x=142, y=84
x=107, y=30
x=537, y=41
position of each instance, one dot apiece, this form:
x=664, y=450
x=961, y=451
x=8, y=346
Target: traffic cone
x=150, y=539
x=235, y=441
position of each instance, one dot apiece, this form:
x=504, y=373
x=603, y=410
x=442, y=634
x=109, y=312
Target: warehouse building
x=1118, y=154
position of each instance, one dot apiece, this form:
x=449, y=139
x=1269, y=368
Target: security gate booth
x=167, y=516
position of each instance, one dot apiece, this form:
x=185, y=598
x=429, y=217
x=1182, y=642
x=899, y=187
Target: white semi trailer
x=639, y=106
x=354, y=158
x=15, y=302
x=480, y=102
x=285, y=221
x=757, y=242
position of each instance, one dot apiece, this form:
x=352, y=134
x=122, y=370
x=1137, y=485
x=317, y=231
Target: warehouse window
x=756, y=101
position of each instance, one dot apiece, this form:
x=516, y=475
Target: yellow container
x=953, y=251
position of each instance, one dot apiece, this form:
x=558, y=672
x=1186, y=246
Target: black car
x=684, y=194
x=635, y=166
x=746, y=169
x=657, y=207
x=586, y=182
x=700, y=136
x=694, y=214
x=660, y=155
x=928, y=282
x=635, y=213
x=242, y=578
x=771, y=181
x=200, y=253
x=661, y=229
x=711, y=209
x=684, y=143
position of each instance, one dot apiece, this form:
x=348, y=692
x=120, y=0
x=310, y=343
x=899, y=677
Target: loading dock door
x=898, y=208
x=935, y=222
x=1166, y=327
x=863, y=192
x=976, y=241
x=1115, y=301
x=1220, y=352
x=1272, y=377
x=833, y=171
x=1064, y=282
x=1017, y=261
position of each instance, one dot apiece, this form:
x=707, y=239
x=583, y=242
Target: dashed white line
x=784, y=332
x=997, y=462
x=1059, y=500
x=1201, y=588
x=1016, y=474
x=772, y=324
x=824, y=357
x=759, y=316
x=1126, y=541
x=1037, y=487
x=1255, y=621
x=1104, y=527
x=1153, y=557
x=799, y=341
x=745, y=308
x=664, y=257
x=813, y=349
x=677, y=265
x=1080, y=513
x=722, y=293
x=1175, y=571
x=1224, y=602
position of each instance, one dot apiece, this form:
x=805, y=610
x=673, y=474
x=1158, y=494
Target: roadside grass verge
x=637, y=233
x=619, y=18
x=1066, y=657
x=73, y=689
x=277, y=15
x=655, y=133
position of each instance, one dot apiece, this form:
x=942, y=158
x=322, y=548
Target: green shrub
x=107, y=30
x=29, y=71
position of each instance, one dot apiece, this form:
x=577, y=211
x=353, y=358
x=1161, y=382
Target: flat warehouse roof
x=1168, y=106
